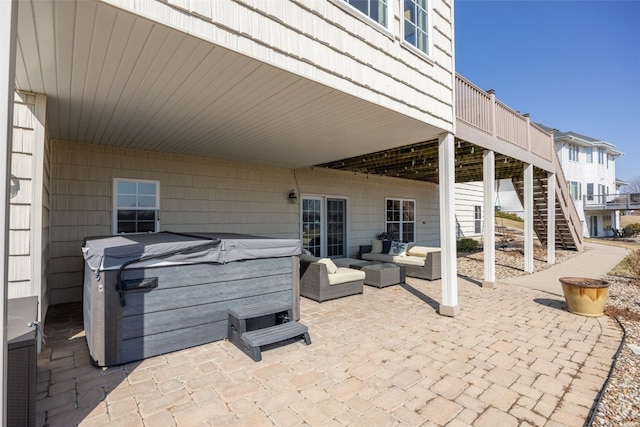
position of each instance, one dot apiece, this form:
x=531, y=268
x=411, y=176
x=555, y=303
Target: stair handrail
x=567, y=205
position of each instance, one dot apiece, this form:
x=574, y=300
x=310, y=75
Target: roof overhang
x=114, y=78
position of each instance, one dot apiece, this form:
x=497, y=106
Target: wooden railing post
x=526, y=117
x=492, y=111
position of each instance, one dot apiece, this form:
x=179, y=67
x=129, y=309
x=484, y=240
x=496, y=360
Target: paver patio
x=514, y=356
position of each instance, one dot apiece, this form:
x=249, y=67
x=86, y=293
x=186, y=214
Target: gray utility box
x=149, y=294
x=21, y=361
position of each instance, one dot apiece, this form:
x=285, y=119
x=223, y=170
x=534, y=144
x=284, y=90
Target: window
x=136, y=206
x=601, y=156
x=573, y=153
x=416, y=24
x=400, y=220
x=477, y=216
x=374, y=9
x=574, y=188
x=590, y=191
x=606, y=222
x=589, y=152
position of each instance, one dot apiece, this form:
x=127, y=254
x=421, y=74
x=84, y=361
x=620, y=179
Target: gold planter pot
x=585, y=296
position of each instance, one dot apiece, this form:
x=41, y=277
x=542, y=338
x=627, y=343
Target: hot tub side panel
x=188, y=307
x=102, y=317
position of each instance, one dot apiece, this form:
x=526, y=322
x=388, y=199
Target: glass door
x=324, y=226
x=336, y=227
x=312, y=225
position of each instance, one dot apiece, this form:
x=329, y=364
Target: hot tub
x=149, y=294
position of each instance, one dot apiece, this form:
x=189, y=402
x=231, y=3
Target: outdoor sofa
x=422, y=262
x=322, y=280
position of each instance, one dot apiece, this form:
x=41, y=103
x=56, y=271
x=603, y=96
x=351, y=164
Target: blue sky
x=574, y=65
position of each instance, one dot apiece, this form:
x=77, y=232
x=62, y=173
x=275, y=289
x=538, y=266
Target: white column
x=489, y=238
x=551, y=218
x=8, y=22
x=446, y=171
x=528, y=218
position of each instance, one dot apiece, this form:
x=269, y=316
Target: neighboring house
x=590, y=171
x=328, y=121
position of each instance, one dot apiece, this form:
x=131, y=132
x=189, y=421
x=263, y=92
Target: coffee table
x=385, y=274
x=351, y=263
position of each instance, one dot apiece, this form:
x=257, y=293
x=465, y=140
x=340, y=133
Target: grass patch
x=629, y=267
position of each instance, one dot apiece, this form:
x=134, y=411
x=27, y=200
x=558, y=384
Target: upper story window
x=401, y=219
x=573, y=153
x=416, y=24
x=600, y=156
x=377, y=10
x=575, y=188
x=136, y=205
x=589, y=152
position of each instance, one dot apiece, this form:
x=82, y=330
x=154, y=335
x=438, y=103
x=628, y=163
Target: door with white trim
x=324, y=226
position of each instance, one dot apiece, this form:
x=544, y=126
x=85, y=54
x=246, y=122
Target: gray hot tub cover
x=167, y=248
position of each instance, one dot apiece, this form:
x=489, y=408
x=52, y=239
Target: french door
x=324, y=226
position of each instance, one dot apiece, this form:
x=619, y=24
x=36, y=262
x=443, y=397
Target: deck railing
x=481, y=110
x=621, y=201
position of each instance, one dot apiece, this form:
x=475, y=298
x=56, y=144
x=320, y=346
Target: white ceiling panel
x=116, y=79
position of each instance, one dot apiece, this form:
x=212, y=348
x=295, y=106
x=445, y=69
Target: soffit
x=113, y=78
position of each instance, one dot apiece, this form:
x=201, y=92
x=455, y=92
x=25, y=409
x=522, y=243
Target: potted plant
x=585, y=296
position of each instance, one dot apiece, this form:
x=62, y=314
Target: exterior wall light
x=292, y=197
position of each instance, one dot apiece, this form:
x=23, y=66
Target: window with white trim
x=477, y=217
x=575, y=190
x=136, y=206
x=416, y=24
x=589, y=152
x=601, y=156
x=573, y=152
x=400, y=219
x=377, y=10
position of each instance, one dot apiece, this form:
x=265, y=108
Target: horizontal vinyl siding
x=468, y=195
x=208, y=195
x=323, y=42
x=20, y=209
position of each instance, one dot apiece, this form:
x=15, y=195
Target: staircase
x=568, y=231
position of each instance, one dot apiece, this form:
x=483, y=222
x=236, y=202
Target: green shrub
x=508, y=215
x=466, y=245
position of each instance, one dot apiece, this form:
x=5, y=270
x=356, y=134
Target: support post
x=528, y=218
x=446, y=173
x=489, y=249
x=8, y=24
x=551, y=218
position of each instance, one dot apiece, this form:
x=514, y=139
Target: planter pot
x=585, y=296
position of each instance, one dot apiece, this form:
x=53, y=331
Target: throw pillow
x=376, y=246
x=386, y=246
x=331, y=267
x=398, y=249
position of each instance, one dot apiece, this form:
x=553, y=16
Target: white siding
x=468, y=196
x=28, y=215
x=199, y=194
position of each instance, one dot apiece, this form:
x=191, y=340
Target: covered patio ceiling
x=420, y=162
x=116, y=79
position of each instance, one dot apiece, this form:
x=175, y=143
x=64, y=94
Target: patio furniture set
x=323, y=279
